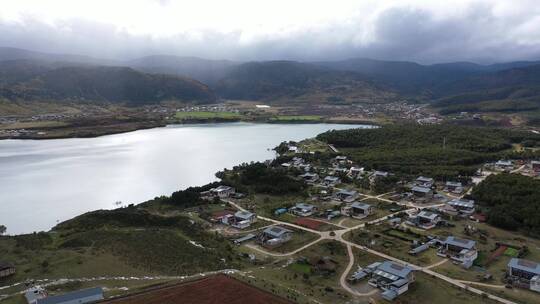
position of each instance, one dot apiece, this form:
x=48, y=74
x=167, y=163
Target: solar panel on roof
x=462, y=241
x=526, y=263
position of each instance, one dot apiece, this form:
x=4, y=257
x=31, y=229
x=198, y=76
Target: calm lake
x=46, y=181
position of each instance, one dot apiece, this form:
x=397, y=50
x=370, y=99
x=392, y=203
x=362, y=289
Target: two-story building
x=355, y=172
x=274, y=236
x=524, y=271
x=357, y=210
x=453, y=187
x=240, y=219
x=426, y=182
x=347, y=195
x=331, y=181
x=392, y=278
x=309, y=177
x=302, y=209
x=425, y=220
x=222, y=191
x=460, y=250
x=462, y=206
x=422, y=192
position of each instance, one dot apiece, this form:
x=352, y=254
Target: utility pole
x=444, y=143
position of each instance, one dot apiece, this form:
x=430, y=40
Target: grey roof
x=389, y=294
x=304, y=206
x=331, y=178
x=461, y=203
x=535, y=162
x=309, y=174
x=276, y=231
x=421, y=189
x=419, y=249
x=5, y=265
x=400, y=282
x=425, y=179
x=525, y=265
x=244, y=214
x=380, y=173
x=454, y=184
x=245, y=238
x=347, y=192
x=395, y=269
x=504, y=163
x=83, y=293
x=462, y=243
x=359, y=205
x=223, y=188
x=428, y=215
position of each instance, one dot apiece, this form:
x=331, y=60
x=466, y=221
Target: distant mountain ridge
x=356, y=79
x=34, y=81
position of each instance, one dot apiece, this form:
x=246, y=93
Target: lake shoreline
x=99, y=131
x=64, y=178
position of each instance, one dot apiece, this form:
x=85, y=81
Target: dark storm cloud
x=395, y=33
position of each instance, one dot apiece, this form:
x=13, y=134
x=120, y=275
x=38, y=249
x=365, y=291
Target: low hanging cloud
x=476, y=30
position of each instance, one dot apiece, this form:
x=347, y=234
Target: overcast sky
x=426, y=31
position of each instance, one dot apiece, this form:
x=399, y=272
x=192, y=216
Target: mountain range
x=28, y=75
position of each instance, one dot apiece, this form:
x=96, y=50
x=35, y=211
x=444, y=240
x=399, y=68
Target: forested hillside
x=512, y=201
x=442, y=151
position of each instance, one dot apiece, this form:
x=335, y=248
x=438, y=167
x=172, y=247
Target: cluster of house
x=340, y=165
x=428, y=219
x=221, y=191
x=38, y=295
x=507, y=165
x=298, y=163
x=349, y=207
x=391, y=277
x=238, y=219
x=6, y=269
